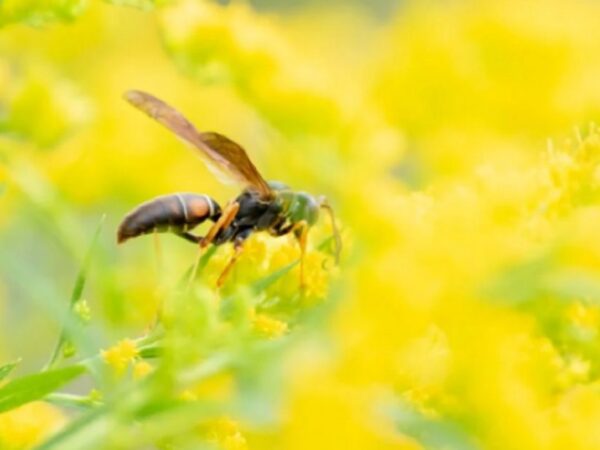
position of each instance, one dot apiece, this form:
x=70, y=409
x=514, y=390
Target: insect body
x=262, y=206
x=177, y=213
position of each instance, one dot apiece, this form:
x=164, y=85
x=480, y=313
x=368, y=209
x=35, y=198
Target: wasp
x=272, y=206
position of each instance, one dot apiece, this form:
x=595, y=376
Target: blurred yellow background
x=456, y=141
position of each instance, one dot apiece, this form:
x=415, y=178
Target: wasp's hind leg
x=238, y=247
x=189, y=237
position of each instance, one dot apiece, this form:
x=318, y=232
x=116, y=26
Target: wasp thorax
x=299, y=206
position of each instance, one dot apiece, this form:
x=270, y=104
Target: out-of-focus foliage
x=499, y=76
x=39, y=12
x=453, y=139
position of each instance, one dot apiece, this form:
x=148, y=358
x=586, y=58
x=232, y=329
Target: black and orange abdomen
x=175, y=213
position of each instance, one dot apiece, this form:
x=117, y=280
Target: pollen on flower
x=120, y=355
x=268, y=326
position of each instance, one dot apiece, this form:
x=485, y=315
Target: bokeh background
x=456, y=142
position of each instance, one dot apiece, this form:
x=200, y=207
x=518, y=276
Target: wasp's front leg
x=301, y=232
x=238, y=247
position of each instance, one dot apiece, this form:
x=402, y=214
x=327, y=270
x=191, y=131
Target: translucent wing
x=222, y=155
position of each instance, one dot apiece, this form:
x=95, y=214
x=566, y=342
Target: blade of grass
x=72, y=401
x=202, y=262
x=432, y=433
x=267, y=281
x=44, y=297
x=6, y=369
x=76, y=293
x=34, y=387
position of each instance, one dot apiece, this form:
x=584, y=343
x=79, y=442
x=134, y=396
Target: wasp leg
x=238, y=247
x=224, y=221
x=189, y=237
x=301, y=232
x=323, y=203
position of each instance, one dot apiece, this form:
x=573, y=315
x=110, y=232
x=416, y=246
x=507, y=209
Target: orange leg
x=224, y=221
x=238, y=248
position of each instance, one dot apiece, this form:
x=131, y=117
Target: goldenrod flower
x=226, y=432
x=27, y=425
x=268, y=326
x=120, y=355
x=141, y=369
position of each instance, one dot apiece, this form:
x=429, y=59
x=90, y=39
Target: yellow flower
x=27, y=425
x=226, y=432
x=188, y=396
x=583, y=315
x=141, y=369
x=268, y=326
x=317, y=270
x=120, y=355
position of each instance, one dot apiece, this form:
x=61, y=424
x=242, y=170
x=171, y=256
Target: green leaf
x=38, y=13
x=199, y=267
x=8, y=368
x=144, y=5
x=432, y=434
x=34, y=387
x=267, y=281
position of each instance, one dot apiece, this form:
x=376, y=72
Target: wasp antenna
x=323, y=203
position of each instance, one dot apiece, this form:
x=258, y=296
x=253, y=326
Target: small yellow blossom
x=255, y=250
x=120, y=355
x=268, y=326
x=284, y=254
x=583, y=315
x=28, y=425
x=188, y=396
x=316, y=274
x=226, y=432
x=82, y=311
x=141, y=369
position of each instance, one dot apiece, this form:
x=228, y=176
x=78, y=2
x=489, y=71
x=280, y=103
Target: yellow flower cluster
x=120, y=355
x=268, y=326
x=226, y=433
x=28, y=425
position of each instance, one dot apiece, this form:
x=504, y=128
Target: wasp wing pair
x=261, y=207
x=223, y=156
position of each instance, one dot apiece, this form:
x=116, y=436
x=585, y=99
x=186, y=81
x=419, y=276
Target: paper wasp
x=262, y=206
